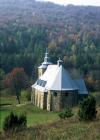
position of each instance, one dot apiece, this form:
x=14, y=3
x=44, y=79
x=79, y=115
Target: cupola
x=44, y=65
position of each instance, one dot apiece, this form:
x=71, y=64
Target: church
x=54, y=88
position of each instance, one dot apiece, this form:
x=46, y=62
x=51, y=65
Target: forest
x=70, y=32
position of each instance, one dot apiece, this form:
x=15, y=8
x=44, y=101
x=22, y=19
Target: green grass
x=43, y=125
x=34, y=115
x=8, y=100
x=68, y=129
x=11, y=100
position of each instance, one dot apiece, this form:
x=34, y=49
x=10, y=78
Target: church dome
x=46, y=61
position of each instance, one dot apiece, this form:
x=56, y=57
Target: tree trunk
x=18, y=96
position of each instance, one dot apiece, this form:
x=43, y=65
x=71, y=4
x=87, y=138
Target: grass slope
x=34, y=115
x=69, y=129
x=10, y=100
x=44, y=125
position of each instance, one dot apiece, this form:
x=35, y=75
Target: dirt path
x=17, y=105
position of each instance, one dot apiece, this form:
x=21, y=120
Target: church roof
x=44, y=65
x=55, y=78
x=81, y=86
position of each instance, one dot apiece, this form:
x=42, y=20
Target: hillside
x=32, y=12
x=70, y=32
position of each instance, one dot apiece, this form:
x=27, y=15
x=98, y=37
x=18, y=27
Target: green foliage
x=26, y=94
x=76, y=40
x=97, y=97
x=66, y=113
x=62, y=115
x=87, y=110
x=2, y=74
x=23, y=93
x=13, y=122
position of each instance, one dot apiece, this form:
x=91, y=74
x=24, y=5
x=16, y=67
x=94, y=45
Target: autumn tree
x=17, y=80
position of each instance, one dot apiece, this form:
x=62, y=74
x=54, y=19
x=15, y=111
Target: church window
x=66, y=94
x=41, y=82
x=55, y=94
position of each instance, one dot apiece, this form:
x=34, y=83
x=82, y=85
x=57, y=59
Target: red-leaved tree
x=17, y=80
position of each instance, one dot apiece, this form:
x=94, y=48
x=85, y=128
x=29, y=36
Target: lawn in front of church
x=34, y=114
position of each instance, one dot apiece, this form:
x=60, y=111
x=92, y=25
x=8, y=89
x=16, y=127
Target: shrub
x=62, y=115
x=26, y=94
x=66, y=113
x=14, y=122
x=22, y=120
x=87, y=110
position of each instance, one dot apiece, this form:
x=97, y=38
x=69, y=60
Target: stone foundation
x=54, y=100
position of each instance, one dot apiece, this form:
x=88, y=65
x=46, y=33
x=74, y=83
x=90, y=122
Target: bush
x=66, y=113
x=13, y=122
x=62, y=115
x=26, y=94
x=87, y=110
x=97, y=97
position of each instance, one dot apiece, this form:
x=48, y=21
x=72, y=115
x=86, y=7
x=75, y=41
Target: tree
x=14, y=122
x=87, y=110
x=16, y=81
